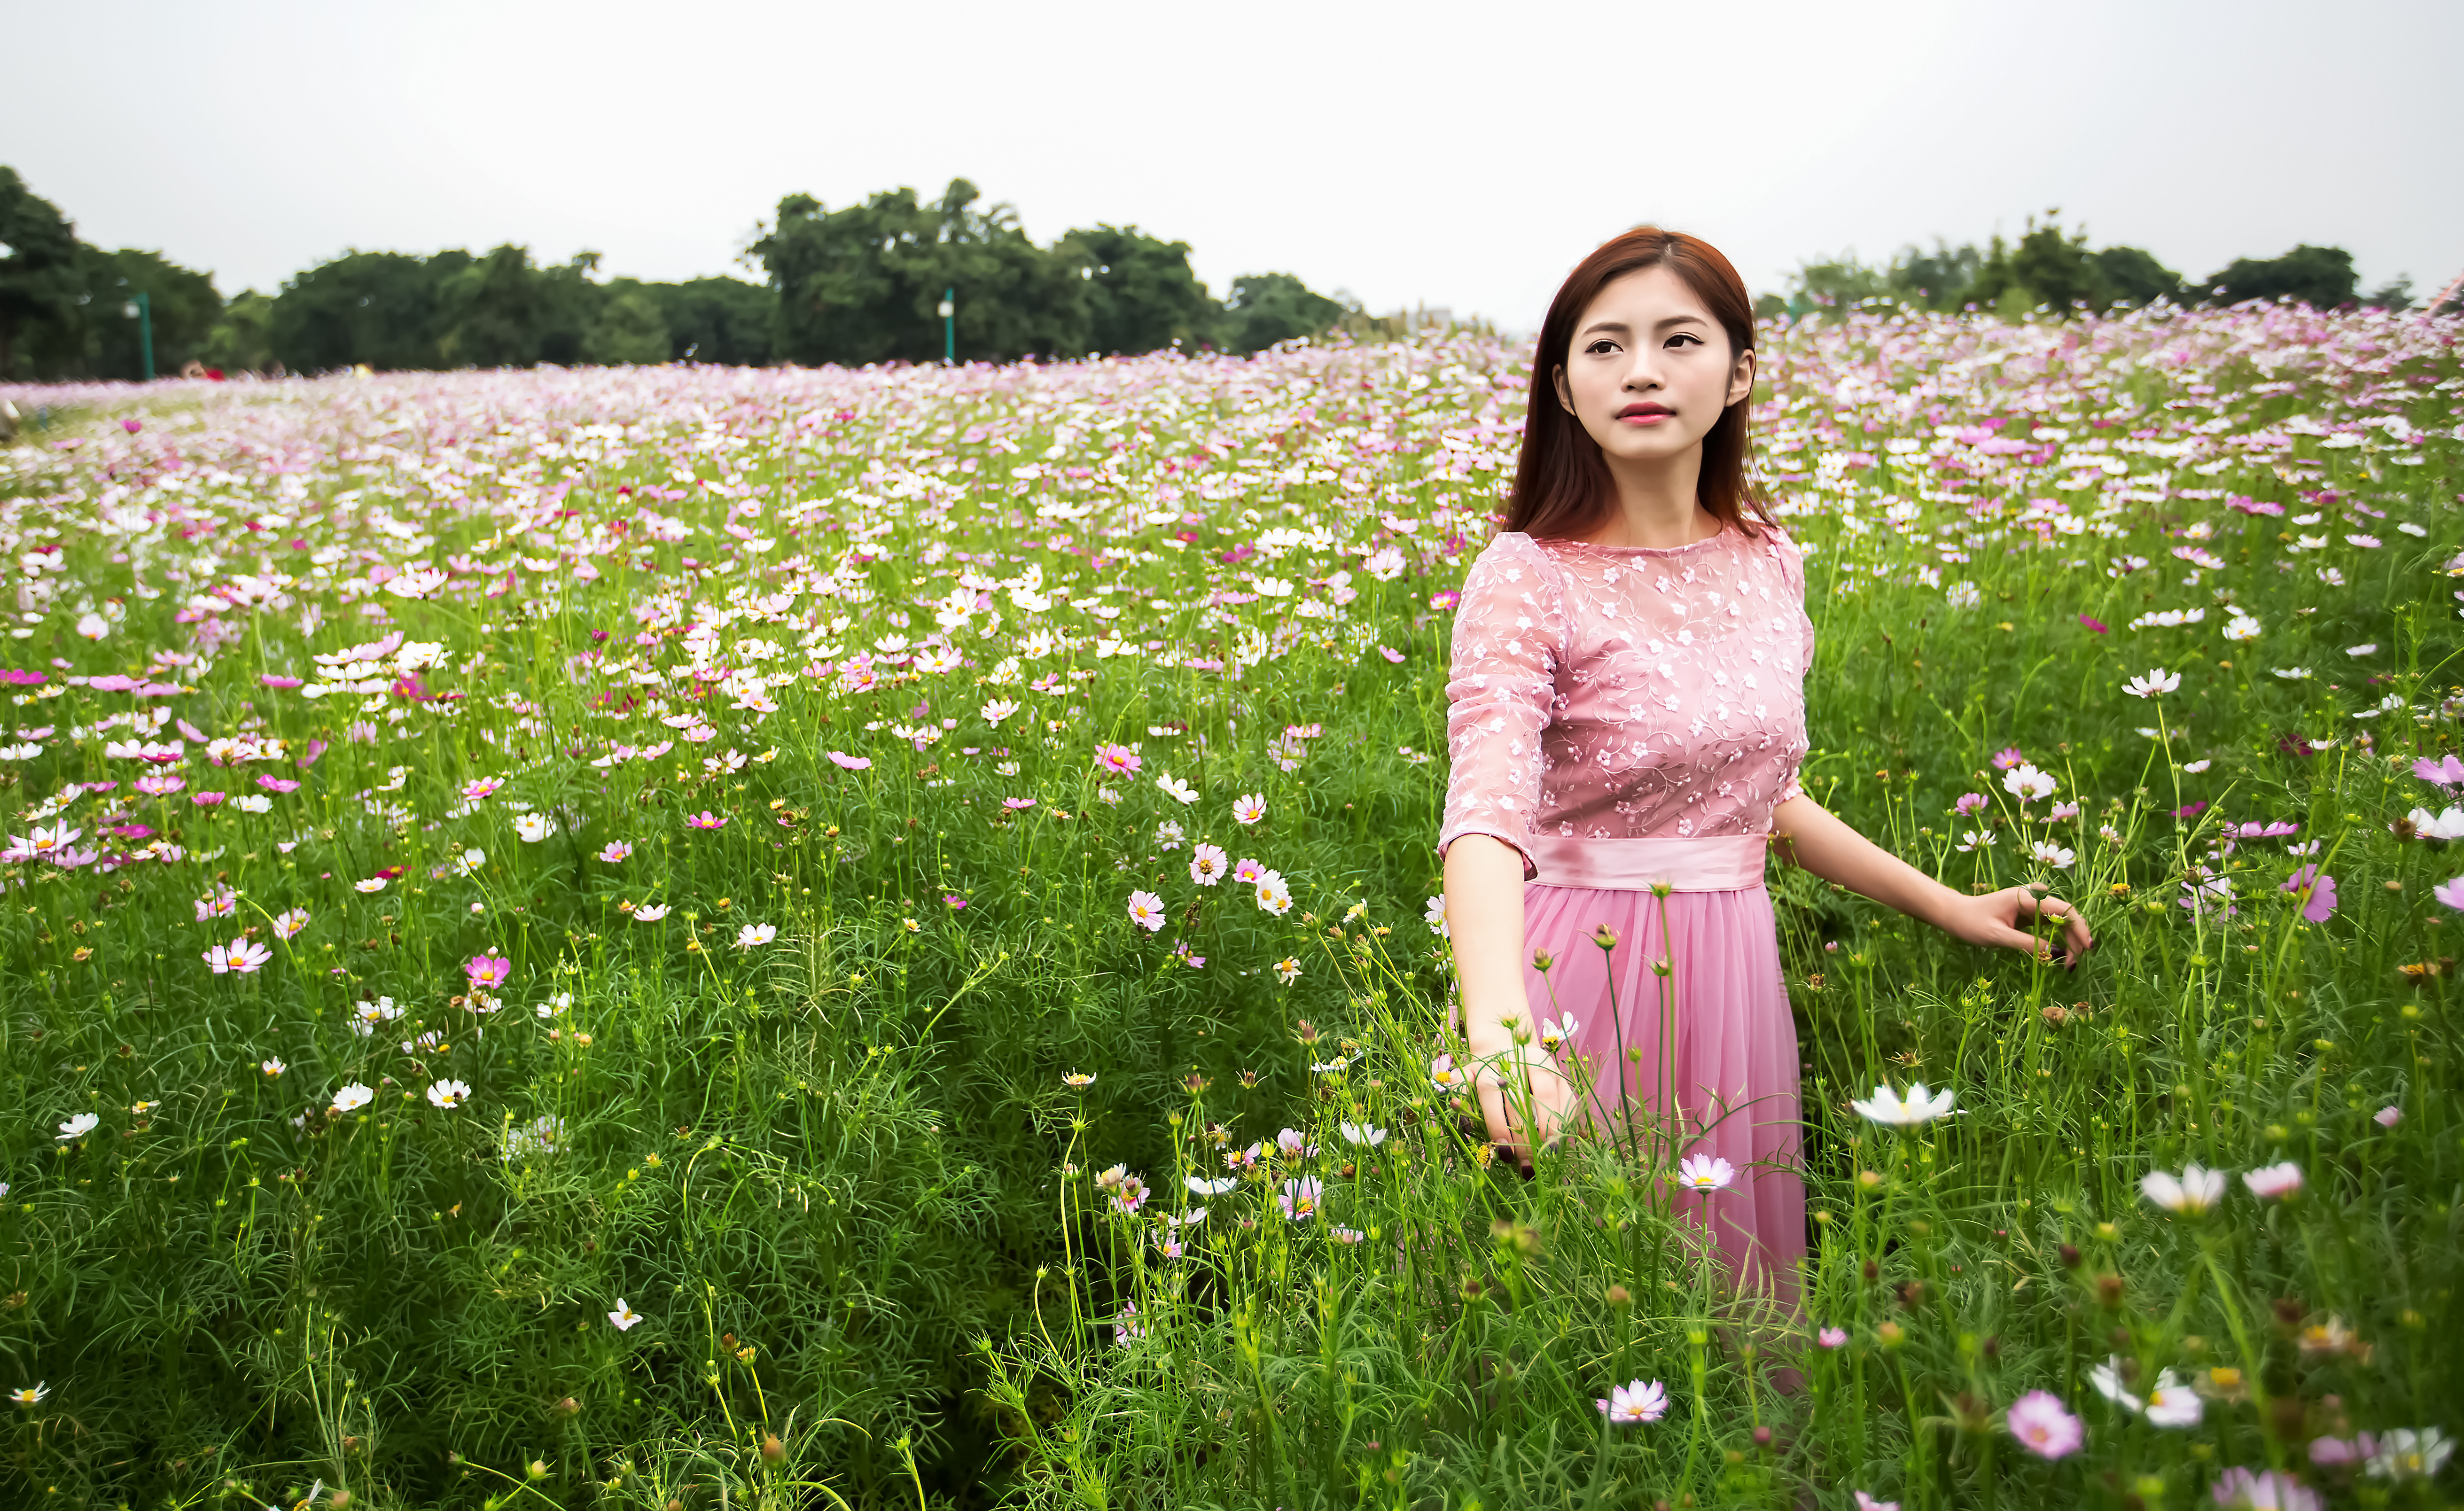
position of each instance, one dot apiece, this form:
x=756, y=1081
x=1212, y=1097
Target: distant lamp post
x=949, y=325
x=141, y=309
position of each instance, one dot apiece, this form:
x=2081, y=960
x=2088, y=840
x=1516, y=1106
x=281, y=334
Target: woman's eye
x=1683, y=337
x=1600, y=348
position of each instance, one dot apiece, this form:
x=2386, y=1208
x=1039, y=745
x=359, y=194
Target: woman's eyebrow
x=1613, y=327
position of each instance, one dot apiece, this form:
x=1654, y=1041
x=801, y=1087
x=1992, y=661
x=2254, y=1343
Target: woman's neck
x=1656, y=504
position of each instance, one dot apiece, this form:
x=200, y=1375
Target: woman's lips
x=1645, y=414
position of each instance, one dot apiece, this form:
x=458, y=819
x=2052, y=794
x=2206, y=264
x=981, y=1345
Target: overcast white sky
x=1448, y=154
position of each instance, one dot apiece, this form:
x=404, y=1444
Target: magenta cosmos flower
x=1119, y=760
x=851, y=762
x=486, y=969
x=704, y=820
x=2321, y=887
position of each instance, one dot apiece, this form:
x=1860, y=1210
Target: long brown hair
x=1562, y=485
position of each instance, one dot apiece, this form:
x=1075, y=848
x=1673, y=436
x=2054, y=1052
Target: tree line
x=859, y=284
x=2055, y=268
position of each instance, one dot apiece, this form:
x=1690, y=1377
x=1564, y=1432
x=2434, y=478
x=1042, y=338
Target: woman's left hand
x=2001, y=918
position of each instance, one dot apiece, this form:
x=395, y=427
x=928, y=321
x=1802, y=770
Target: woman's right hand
x=1519, y=1081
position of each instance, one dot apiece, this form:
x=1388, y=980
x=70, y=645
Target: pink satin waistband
x=1722, y=864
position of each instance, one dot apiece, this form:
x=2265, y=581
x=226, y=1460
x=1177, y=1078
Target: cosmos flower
x=244, y=955
x=2273, y=1181
x=1147, y=912
x=2194, y=1191
x=615, y=851
x=78, y=1126
x=446, y=1095
x=31, y=1395
x=753, y=935
x=1636, y=1403
x=2321, y=888
x=2153, y=684
x=2169, y=1403
x=704, y=820
x=623, y=1316
x=2239, y=1489
x=289, y=922
x=1361, y=1135
x=651, y=912
x=1207, y=864
x=2405, y=1453
x=532, y=827
x=1554, y=1035
x=2025, y=782
x=273, y=1068
x=1705, y=1174
x=1444, y=1076
x=1248, y=808
x=2044, y=1427
x=1831, y=1338
x=374, y=884
x=1299, y=1198
x=351, y=1096
x=843, y=758
x=1919, y=1107
x=487, y=970
x=1077, y=1079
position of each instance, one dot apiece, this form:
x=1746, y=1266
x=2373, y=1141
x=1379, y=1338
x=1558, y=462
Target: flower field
x=714, y=938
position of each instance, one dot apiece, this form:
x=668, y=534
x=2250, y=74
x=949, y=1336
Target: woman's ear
x=1741, y=379
x=1565, y=394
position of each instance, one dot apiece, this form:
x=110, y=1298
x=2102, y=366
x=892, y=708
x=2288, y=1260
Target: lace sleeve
x=1509, y=636
x=1792, y=558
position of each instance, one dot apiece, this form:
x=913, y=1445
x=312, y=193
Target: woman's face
x=1650, y=372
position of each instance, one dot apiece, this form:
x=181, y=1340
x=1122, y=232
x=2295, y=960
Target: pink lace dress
x=1627, y=715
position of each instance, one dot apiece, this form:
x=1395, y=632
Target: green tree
x=493, y=311
x=860, y=284
x=1270, y=307
x=570, y=303
x=1141, y=292
x=242, y=340
x=182, y=305
x=628, y=330
x=2049, y=267
x=2321, y=277
x=39, y=280
x=380, y=307
x=725, y=320
x=2134, y=275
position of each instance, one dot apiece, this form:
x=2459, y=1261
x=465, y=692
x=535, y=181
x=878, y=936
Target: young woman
x=1627, y=715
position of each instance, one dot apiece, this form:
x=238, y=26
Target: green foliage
x=383, y=309
x=2321, y=277
x=716, y=320
x=183, y=306
x=629, y=329
x=40, y=279
x=1141, y=295
x=1270, y=307
x=242, y=339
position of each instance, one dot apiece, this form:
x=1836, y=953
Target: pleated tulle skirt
x=1706, y=1056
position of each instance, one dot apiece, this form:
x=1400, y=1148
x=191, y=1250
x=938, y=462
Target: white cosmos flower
x=352, y=1096
x=651, y=915
x=2025, y=782
x=78, y=1126
x=534, y=828
x=623, y=1316
x=1704, y=1173
x=752, y=935
x=1199, y=1185
x=374, y=884
x=1361, y=1134
x=2169, y=1404
x=1918, y=1106
x=2047, y=853
x=1175, y=789
x=444, y=1094
x=2195, y=1192
x=2154, y=683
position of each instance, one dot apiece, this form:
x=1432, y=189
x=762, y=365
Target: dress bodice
x=1626, y=692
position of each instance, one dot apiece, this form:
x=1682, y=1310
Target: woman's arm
x=1815, y=839
x=1485, y=921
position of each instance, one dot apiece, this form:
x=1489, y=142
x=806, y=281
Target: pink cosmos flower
x=1705, y=1174
x=243, y=955
x=2005, y=759
x=486, y=969
x=2452, y=894
x=615, y=851
x=1119, y=760
x=1299, y=1198
x=2273, y=1181
x=1206, y=864
x=1831, y=1337
x=205, y=799
x=2043, y=1427
x=1014, y=804
x=1248, y=808
x=485, y=786
x=704, y=820
x=2321, y=887
x=159, y=786
x=851, y=762
x=1970, y=802
x=279, y=684
x=1640, y=1402
x=2388, y=1117
x=1147, y=912
x=278, y=785
x=2092, y=625
x=2337, y=1451
x=2264, y=1490
x=2446, y=772
x=315, y=748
